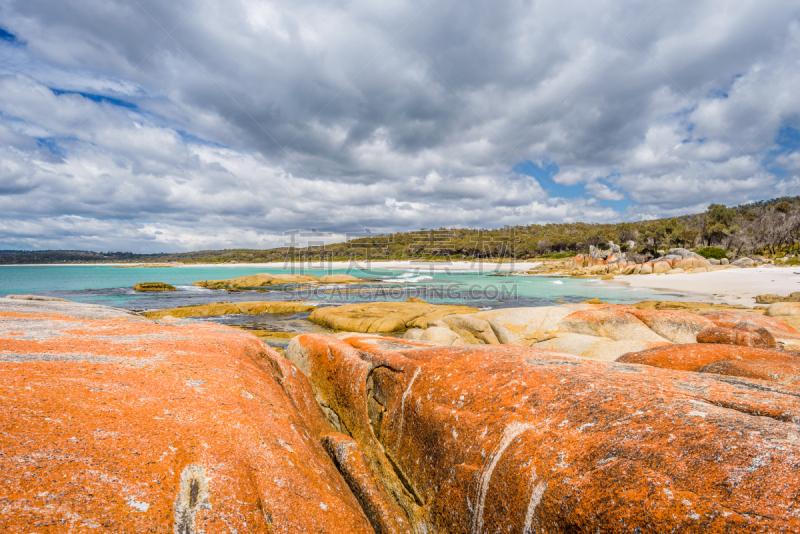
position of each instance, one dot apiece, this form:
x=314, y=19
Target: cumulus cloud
x=153, y=126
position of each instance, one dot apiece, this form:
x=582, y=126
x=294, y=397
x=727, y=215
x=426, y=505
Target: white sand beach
x=733, y=286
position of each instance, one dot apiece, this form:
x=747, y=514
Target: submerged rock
x=340, y=279
x=516, y=439
x=121, y=424
x=257, y=280
x=153, y=286
x=229, y=308
x=257, y=307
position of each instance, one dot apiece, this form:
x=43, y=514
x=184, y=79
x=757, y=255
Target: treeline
x=73, y=256
x=766, y=227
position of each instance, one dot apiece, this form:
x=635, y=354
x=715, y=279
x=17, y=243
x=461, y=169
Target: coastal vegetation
x=715, y=253
x=766, y=227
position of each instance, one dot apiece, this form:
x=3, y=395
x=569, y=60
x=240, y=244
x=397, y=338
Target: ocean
x=112, y=286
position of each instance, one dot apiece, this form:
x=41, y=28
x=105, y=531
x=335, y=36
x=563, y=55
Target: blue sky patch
x=7, y=36
x=51, y=145
x=543, y=173
x=787, y=141
x=189, y=138
x=97, y=98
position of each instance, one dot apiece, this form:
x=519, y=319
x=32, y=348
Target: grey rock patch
x=36, y=297
x=40, y=328
x=622, y=368
x=138, y=337
x=75, y=310
x=75, y=357
x=551, y=362
x=193, y=495
x=694, y=388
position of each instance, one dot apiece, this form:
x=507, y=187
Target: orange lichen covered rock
x=729, y=319
x=614, y=322
x=673, y=325
x=386, y=516
x=693, y=357
x=786, y=370
x=737, y=336
x=502, y=438
x=115, y=423
x=731, y=336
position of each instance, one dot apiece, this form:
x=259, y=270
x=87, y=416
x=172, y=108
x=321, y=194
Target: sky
x=151, y=126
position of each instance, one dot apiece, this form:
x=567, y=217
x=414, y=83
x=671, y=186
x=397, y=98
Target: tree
x=626, y=232
x=719, y=213
x=718, y=219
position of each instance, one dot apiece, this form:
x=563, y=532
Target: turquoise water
x=112, y=286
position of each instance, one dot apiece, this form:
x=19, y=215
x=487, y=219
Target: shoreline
x=733, y=286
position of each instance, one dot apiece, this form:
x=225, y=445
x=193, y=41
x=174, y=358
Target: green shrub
x=559, y=255
x=713, y=252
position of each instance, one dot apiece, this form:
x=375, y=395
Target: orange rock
x=386, y=516
x=609, y=321
x=662, y=266
x=501, y=438
x=115, y=423
x=737, y=336
x=786, y=370
x=693, y=357
x=675, y=326
x=691, y=263
x=729, y=319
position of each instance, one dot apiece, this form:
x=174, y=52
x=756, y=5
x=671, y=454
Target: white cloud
x=280, y=115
